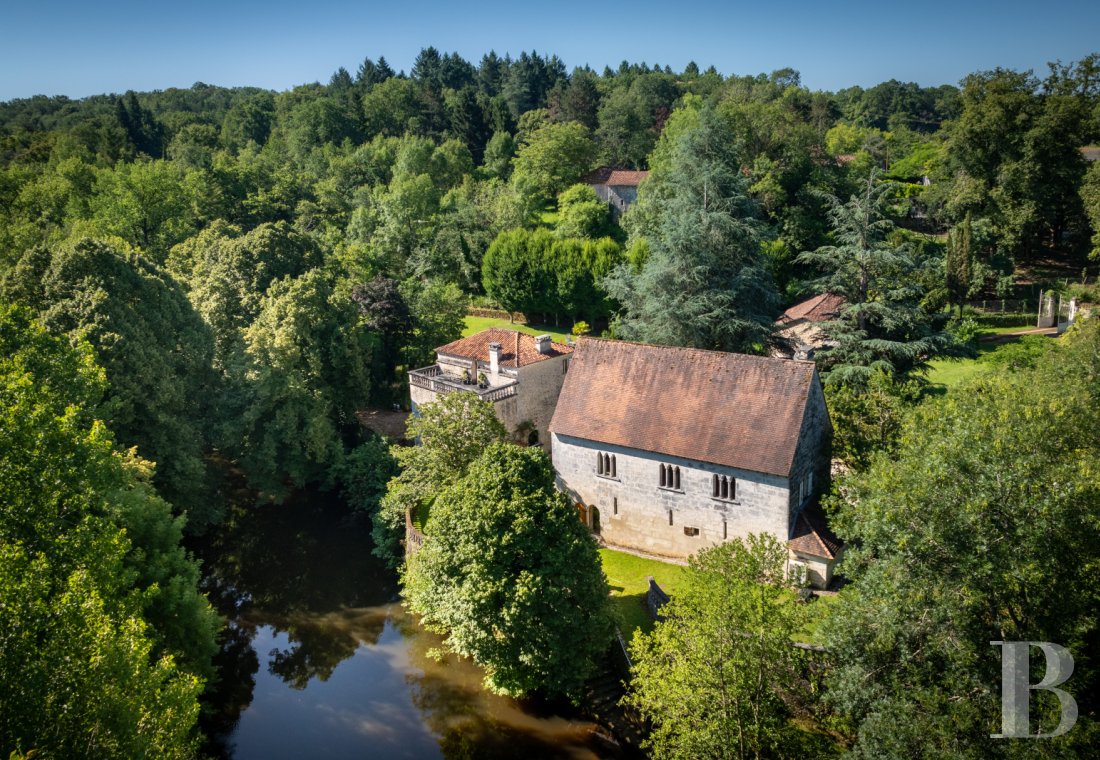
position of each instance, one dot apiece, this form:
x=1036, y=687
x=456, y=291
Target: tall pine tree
x=705, y=283
x=882, y=325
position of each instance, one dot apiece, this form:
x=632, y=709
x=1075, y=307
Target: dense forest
x=210, y=282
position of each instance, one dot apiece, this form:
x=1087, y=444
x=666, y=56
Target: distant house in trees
x=1091, y=152
x=799, y=327
x=520, y=374
x=616, y=187
x=669, y=450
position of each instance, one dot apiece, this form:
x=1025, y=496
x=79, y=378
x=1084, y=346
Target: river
x=319, y=659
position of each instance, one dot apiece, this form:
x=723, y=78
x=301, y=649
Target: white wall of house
x=819, y=570
x=634, y=510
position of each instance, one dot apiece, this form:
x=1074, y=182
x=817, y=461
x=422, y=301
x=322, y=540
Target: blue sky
x=88, y=47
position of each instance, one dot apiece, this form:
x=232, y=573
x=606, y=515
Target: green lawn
x=1012, y=329
x=950, y=373
x=477, y=324
x=815, y=612
x=626, y=574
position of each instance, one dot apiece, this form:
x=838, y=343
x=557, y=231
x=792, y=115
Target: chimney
x=494, y=359
x=542, y=343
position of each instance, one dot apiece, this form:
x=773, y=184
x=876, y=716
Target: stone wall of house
x=634, y=511
x=812, y=454
x=539, y=387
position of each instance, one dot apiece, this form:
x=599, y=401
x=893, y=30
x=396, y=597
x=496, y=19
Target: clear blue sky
x=88, y=47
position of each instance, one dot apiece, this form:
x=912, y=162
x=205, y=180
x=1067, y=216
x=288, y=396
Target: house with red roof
x=668, y=450
x=616, y=187
x=799, y=327
x=520, y=374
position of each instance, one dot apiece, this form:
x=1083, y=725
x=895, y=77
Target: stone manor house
x=663, y=450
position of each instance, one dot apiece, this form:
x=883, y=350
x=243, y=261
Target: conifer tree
x=705, y=283
x=882, y=325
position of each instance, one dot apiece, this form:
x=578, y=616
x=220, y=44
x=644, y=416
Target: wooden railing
x=433, y=379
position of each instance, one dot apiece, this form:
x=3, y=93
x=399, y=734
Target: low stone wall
x=519, y=319
x=414, y=539
x=655, y=599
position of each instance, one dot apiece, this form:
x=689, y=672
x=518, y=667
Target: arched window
x=676, y=479
x=605, y=465
x=662, y=476
x=715, y=487
x=725, y=488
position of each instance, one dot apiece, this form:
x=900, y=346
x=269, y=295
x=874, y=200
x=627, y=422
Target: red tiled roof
x=1091, y=152
x=512, y=342
x=820, y=308
x=728, y=409
x=605, y=175
x=811, y=534
x=623, y=178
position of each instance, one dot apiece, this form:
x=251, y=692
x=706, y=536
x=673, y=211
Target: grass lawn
x=816, y=611
x=626, y=574
x=1015, y=328
x=950, y=373
x=549, y=218
x=477, y=324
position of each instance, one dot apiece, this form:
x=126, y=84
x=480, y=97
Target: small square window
x=690, y=531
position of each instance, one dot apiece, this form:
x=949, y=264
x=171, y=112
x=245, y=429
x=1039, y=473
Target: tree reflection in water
x=301, y=574
x=294, y=567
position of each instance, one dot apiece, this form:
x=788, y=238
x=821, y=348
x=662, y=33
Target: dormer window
x=669, y=477
x=605, y=465
x=723, y=488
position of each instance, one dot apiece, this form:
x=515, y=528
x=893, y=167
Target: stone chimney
x=494, y=359
x=542, y=343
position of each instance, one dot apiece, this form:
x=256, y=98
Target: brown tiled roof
x=811, y=534
x=598, y=177
x=820, y=308
x=512, y=343
x=733, y=410
x=606, y=175
x=1091, y=152
x=623, y=178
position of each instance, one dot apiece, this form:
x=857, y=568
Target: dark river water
x=319, y=658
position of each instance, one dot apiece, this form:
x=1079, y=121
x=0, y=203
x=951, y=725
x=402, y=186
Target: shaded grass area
x=477, y=324
x=816, y=611
x=626, y=574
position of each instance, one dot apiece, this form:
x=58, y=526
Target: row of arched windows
x=670, y=477
x=605, y=465
x=724, y=487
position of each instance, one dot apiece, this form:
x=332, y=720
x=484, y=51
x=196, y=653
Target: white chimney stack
x=542, y=343
x=494, y=359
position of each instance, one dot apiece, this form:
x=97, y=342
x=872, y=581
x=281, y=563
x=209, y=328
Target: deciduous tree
x=532, y=610
x=713, y=674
